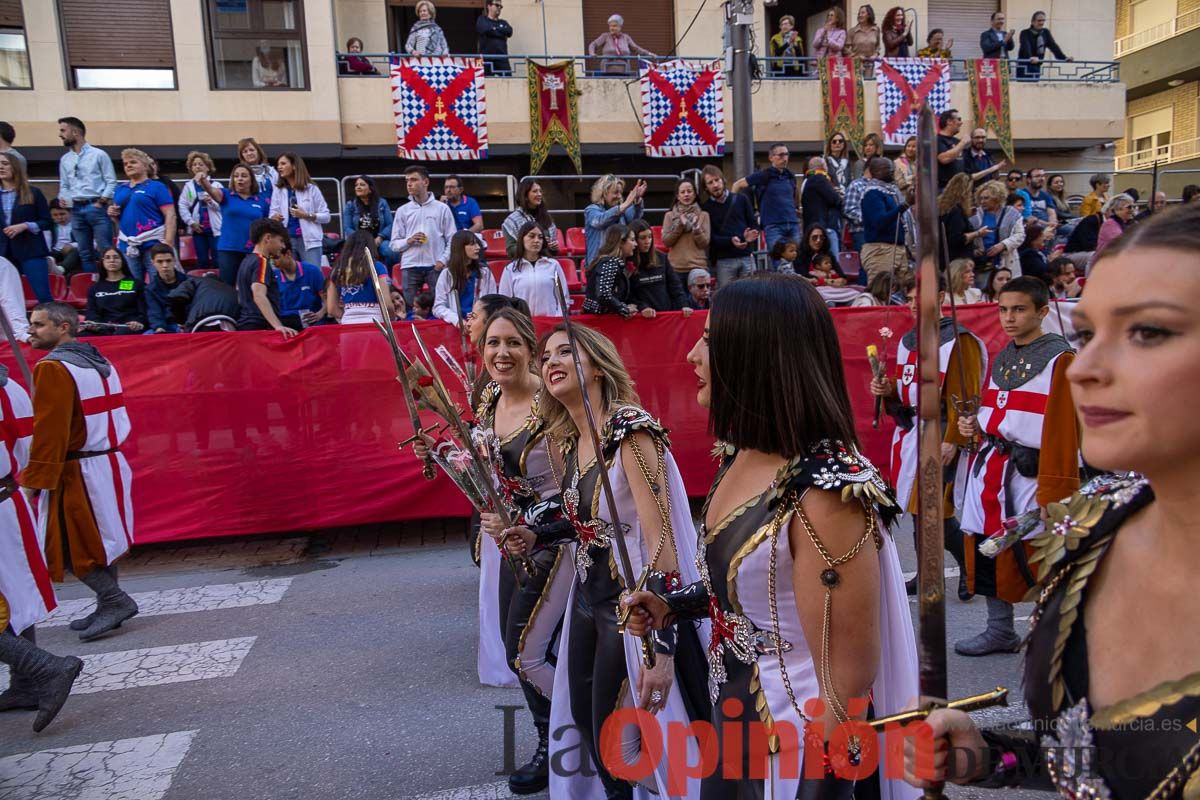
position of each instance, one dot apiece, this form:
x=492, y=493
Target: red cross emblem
x=683, y=107
x=913, y=98
x=439, y=107
x=723, y=628
x=12, y=427
x=910, y=372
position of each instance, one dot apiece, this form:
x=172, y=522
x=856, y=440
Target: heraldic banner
x=440, y=108
x=842, y=99
x=683, y=109
x=905, y=84
x=553, y=113
x=989, y=100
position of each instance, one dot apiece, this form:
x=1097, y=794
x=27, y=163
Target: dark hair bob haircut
x=776, y=367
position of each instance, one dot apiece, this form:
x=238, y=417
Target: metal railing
x=1164, y=154
x=771, y=68
x=1157, y=33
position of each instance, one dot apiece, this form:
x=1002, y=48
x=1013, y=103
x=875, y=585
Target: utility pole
x=739, y=16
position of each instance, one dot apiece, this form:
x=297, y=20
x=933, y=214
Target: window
x=14, y=54
x=125, y=45
x=1150, y=136
x=1148, y=14
x=257, y=44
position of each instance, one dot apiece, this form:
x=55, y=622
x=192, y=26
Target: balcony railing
x=1165, y=154
x=770, y=68
x=1165, y=30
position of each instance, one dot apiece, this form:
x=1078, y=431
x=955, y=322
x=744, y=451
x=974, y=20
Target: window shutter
x=10, y=14
x=131, y=34
x=651, y=23
x=963, y=21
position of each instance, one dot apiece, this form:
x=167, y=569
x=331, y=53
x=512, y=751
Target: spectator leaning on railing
x=117, y=298
x=865, y=39
x=735, y=233
x=608, y=209
x=608, y=287
x=464, y=274
x=300, y=286
x=897, y=34
x=350, y=297
x=787, y=45
x=686, y=230
x=494, y=34
x=369, y=212
x=426, y=38
x=199, y=212
x=654, y=286
x=531, y=207
x=621, y=45
x=24, y=215
x=1035, y=41
x=936, y=45
x=355, y=64
x=198, y=299
x=996, y=42
x=86, y=181
x=257, y=284
x=299, y=205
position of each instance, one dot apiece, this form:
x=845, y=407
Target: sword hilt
x=649, y=656
x=967, y=408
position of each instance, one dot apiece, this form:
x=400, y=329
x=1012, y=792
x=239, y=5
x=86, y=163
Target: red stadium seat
x=326, y=271
x=849, y=262
x=658, y=240
x=58, y=290
x=574, y=285
x=77, y=290
x=576, y=242
x=494, y=240
x=30, y=298
x=397, y=276
x=202, y=273
x=187, y=251
x=562, y=240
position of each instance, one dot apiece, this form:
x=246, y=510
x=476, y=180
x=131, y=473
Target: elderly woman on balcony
x=616, y=43
x=426, y=38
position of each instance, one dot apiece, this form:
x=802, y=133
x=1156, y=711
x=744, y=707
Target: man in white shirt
x=421, y=234
x=12, y=299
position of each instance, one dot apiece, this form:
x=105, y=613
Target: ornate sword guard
x=967, y=408
x=428, y=471
x=648, y=654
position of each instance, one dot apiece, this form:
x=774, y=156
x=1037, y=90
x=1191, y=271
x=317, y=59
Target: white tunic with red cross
x=107, y=477
x=24, y=579
x=1017, y=416
x=904, y=442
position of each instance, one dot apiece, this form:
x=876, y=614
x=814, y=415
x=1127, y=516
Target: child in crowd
x=783, y=255
x=422, y=307
x=824, y=273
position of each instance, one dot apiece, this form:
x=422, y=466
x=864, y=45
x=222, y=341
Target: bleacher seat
x=849, y=262
x=574, y=284
x=187, y=251
x=397, y=277
x=576, y=242
x=561, y=239
x=494, y=240
x=30, y=298
x=77, y=289
x=202, y=273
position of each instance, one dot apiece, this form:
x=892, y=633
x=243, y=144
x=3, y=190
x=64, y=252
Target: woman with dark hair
x=466, y=276
x=355, y=64
x=370, y=212
x=864, y=37
x=299, y=205
x=115, y=299
x=1033, y=259
x=897, y=34
x=770, y=374
x=839, y=161
x=1109, y=667
x=241, y=204
x=600, y=671
x=531, y=275
x=24, y=217
x=814, y=243
x=995, y=283
x=531, y=207
x=906, y=165
x=686, y=230
x=654, y=286
x=350, y=297
x=608, y=289
x=485, y=306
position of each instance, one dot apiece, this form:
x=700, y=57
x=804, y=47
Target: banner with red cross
x=683, y=109
x=989, y=100
x=842, y=99
x=905, y=84
x=440, y=108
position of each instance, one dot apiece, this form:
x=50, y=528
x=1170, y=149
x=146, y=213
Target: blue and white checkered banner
x=904, y=85
x=683, y=109
x=440, y=108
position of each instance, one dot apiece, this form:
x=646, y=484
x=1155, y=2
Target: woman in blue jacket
x=24, y=214
x=370, y=212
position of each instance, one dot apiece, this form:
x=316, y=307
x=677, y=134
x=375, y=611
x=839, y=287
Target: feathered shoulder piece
x=836, y=467
x=626, y=420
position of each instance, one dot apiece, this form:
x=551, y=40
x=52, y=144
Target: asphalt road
x=336, y=668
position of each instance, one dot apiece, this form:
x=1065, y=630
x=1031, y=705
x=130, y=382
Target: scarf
x=81, y=354
x=682, y=210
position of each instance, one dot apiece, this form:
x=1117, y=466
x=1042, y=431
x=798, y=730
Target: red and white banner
x=683, y=109
x=906, y=84
x=440, y=108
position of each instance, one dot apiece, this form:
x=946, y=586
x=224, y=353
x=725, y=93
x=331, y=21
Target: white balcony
x=1164, y=154
x=1136, y=41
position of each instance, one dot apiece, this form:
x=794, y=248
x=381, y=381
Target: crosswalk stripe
x=153, y=666
x=182, y=601
x=124, y=769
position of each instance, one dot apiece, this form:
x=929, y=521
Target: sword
x=977, y=702
x=931, y=581
x=402, y=365
x=623, y=560
x=468, y=354
x=18, y=353
x=965, y=406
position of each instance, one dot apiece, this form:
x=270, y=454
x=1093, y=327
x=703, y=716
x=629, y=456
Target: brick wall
x=1185, y=100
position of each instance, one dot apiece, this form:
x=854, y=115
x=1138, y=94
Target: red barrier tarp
x=239, y=433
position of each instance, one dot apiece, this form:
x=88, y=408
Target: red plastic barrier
x=237, y=433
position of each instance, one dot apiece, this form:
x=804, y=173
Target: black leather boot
x=21, y=694
x=51, y=675
x=113, y=605
x=534, y=777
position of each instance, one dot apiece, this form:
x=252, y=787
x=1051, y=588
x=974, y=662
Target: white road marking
x=153, y=666
x=182, y=601
x=483, y=791
x=125, y=769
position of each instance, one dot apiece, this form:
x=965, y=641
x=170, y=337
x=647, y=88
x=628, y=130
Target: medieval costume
x=1029, y=458
x=962, y=379
x=1149, y=732
x=38, y=680
x=523, y=615
x=759, y=656
x=598, y=667
x=85, y=513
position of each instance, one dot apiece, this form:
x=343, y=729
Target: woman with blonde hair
x=600, y=671
x=954, y=212
x=299, y=205
x=1118, y=212
x=199, y=211
x=252, y=154
x=425, y=37
x=962, y=282
x=145, y=212
x=608, y=208
x=1005, y=229
x=787, y=45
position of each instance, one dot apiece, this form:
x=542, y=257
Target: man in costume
x=85, y=513
x=962, y=365
x=39, y=681
x=1029, y=456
